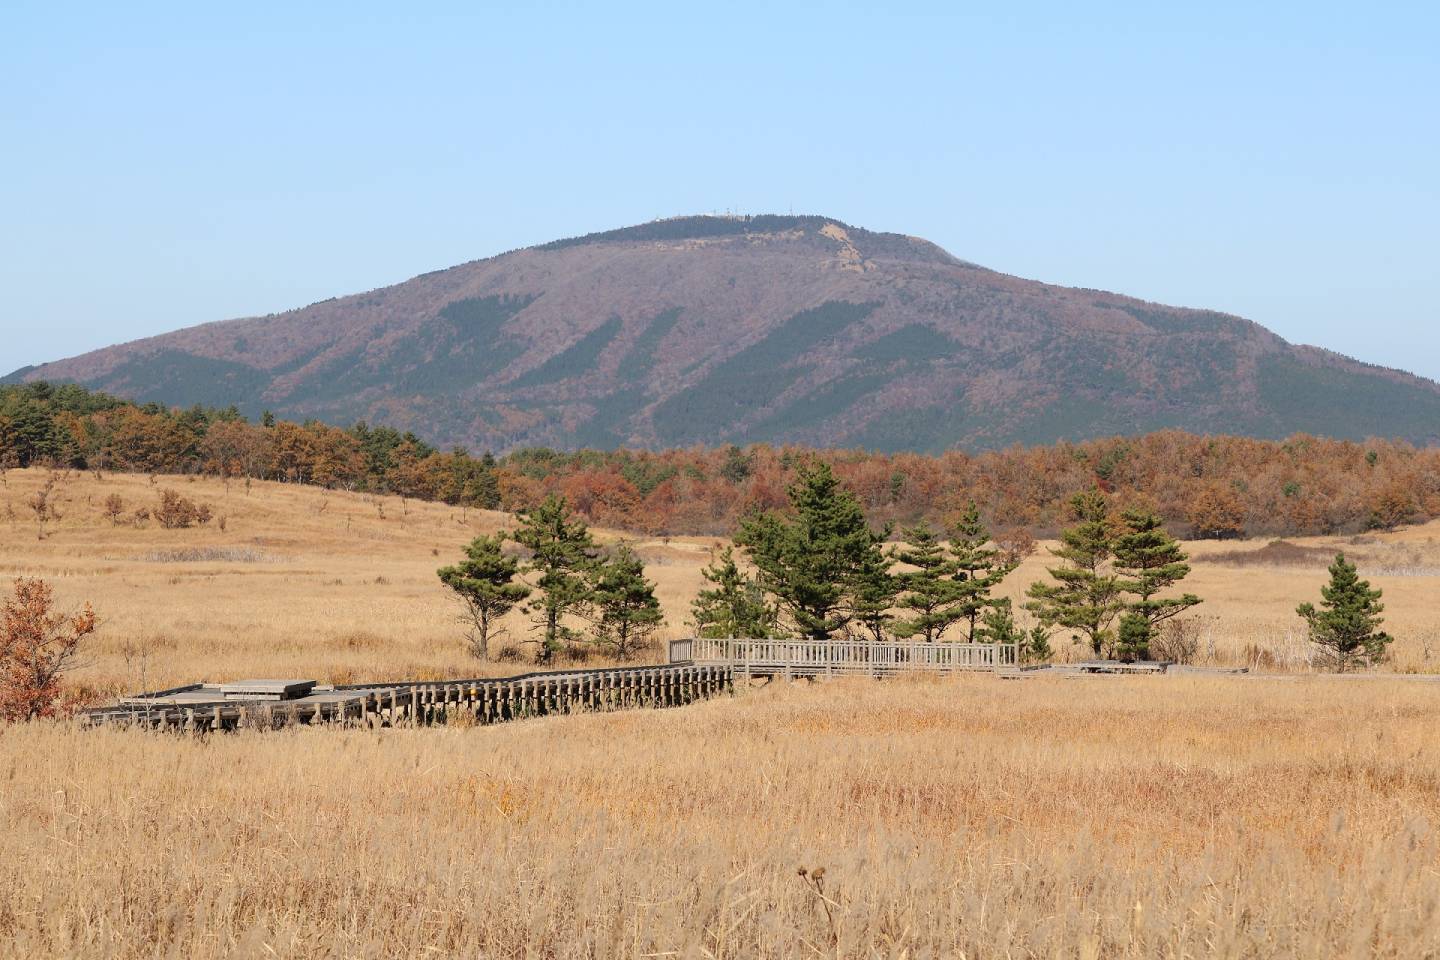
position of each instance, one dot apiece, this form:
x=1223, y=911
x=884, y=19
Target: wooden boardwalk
x=277, y=703
x=697, y=669
x=802, y=658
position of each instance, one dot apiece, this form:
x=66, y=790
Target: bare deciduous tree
x=42, y=505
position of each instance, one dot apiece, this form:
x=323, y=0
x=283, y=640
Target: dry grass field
x=1170, y=817
x=970, y=817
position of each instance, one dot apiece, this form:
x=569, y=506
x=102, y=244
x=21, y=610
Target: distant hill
x=708, y=330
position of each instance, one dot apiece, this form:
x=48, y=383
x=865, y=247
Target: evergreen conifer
x=929, y=593
x=1346, y=628
x=562, y=553
x=979, y=568
x=810, y=560
x=1086, y=594
x=1148, y=561
x=627, y=614
x=485, y=583
x=735, y=606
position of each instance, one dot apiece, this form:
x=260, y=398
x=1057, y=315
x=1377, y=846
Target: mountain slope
x=803, y=329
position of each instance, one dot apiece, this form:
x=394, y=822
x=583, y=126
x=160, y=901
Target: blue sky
x=165, y=165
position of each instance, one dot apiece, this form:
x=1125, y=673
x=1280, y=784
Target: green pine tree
x=735, y=607
x=1036, y=648
x=998, y=626
x=485, y=583
x=810, y=560
x=1085, y=596
x=1148, y=561
x=1132, y=637
x=979, y=568
x=627, y=614
x=873, y=592
x=929, y=593
x=482, y=486
x=562, y=553
x=1346, y=628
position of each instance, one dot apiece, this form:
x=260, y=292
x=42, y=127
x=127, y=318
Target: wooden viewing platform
x=811, y=658
x=277, y=703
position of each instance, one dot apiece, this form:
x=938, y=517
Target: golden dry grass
x=1165, y=818
x=1097, y=817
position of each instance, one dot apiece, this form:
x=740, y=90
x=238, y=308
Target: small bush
x=1177, y=641
x=114, y=508
x=573, y=654
x=176, y=512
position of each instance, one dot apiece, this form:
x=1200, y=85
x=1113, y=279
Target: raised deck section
x=212, y=706
x=802, y=658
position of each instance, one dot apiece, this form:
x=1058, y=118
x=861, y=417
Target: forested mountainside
x=718, y=330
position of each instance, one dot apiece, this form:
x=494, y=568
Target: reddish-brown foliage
x=36, y=645
x=175, y=512
x=1211, y=486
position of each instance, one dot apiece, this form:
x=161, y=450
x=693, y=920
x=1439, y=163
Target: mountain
x=710, y=330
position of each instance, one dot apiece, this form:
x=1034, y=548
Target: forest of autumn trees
x=1202, y=486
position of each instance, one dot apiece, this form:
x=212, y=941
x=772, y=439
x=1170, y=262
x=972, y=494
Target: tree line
x=819, y=571
x=1203, y=487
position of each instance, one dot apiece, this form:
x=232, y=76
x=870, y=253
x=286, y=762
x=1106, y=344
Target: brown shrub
x=176, y=511
x=114, y=508
x=36, y=646
x=1276, y=553
x=1177, y=641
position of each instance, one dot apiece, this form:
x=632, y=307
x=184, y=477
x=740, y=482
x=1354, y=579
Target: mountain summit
x=710, y=330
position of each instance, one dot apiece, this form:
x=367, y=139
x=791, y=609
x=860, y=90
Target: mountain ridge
x=770, y=328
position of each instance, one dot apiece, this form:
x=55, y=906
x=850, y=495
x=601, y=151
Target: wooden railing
x=820, y=658
x=485, y=700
